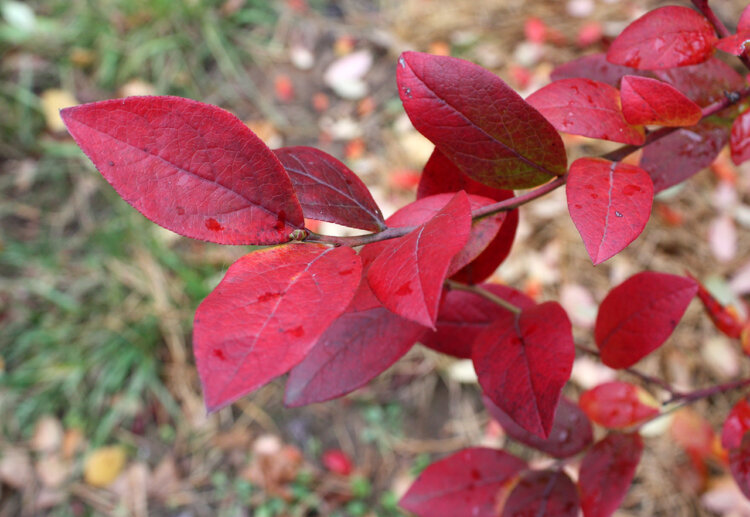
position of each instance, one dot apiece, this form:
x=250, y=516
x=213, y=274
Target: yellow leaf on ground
x=53, y=100
x=104, y=465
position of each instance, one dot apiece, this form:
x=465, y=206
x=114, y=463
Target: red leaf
x=739, y=464
x=667, y=37
x=338, y=462
x=606, y=472
x=463, y=316
x=479, y=122
x=617, y=404
x=465, y=483
x=610, y=204
x=190, y=167
x=570, y=434
x=328, y=190
x=522, y=364
x=734, y=44
x=649, y=101
x=543, y=492
x=585, y=107
x=638, y=315
x=739, y=141
x=408, y=274
x=675, y=157
x=693, y=432
x=703, y=83
x=439, y=176
x=266, y=314
x=594, y=67
x=736, y=425
x=725, y=319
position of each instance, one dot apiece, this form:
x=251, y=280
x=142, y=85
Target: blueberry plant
x=334, y=312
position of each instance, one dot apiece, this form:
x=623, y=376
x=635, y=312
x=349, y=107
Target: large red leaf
x=357, y=347
x=610, y=204
x=705, y=82
x=466, y=483
x=650, y=101
x=736, y=425
x=479, y=122
x=190, y=167
x=618, y=405
x=606, y=472
x=667, y=37
x=328, y=190
x=571, y=430
x=638, y=315
x=543, y=493
x=739, y=141
x=523, y=363
x=585, y=107
x=675, y=157
x=594, y=67
x=408, y=274
x=464, y=315
x=739, y=465
x=266, y=314
x=441, y=175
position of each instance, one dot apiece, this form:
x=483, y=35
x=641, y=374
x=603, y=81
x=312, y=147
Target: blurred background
x=100, y=407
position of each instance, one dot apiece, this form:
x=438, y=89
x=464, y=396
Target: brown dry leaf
x=52, y=470
x=48, y=435
x=273, y=465
x=15, y=468
x=132, y=488
x=53, y=100
x=48, y=498
x=104, y=465
x=165, y=480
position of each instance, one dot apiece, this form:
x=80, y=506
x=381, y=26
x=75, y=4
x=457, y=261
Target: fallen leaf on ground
x=104, y=465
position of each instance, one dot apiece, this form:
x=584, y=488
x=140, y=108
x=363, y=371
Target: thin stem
x=484, y=293
x=515, y=202
x=719, y=27
x=693, y=396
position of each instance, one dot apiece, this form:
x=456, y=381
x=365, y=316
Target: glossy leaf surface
x=465, y=483
x=610, y=204
x=463, y=316
x=739, y=141
x=736, y=425
x=266, y=314
x=638, y=315
x=190, y=167
x=522, y=365
x=585, y=107
x=479, y=122
x=408, y=274
x=666, y=37
x=606, y=472
x=649, y=101
x=594, y=67
x=542, y=493
x=328, y=190
x=739, y=465
x=618, y=405
x=571, y=430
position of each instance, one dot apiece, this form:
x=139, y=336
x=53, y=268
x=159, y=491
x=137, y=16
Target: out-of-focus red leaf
x=570, y=434
x=190, y=167
x=328, y=190
x=650, y=101
x=610, y=203
x=468, y=482
x=736, y=425
x=739, y=141
x=693, y=432
x=734, y=44
x=606, y=472
x=462, y=316
x=666, y=37
x=675, y=157
x=739, y=465
x=535, y=30
x=638, y=315
x=441, y=175
x=543, y=492
x=266, y=314
x=479, y=122
x=585, y=107
x=523, y=363
x=703, y=83
x=726, y=320
x=594, y=67
x=408, y=274
x=338, y=462
x=617, y=405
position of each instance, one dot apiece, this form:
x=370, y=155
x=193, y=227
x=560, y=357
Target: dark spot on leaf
x=111, y=163
x=219, y=354
x=618, y=214
x=267, y=296
x=213, y=225
x=407, y=91
x=404, y=290
x=578, y=206
x=345, y=272
x=280, y=221
x=629, y=190
x=296, y=331
x=672, y=323
x=475, y=475
x=180, y=210
x=594, y=196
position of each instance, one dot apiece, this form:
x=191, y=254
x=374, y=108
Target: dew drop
x=618, y=214
x=407, y=91
x=402, y=62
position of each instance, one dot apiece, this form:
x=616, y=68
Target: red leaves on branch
x=705, y=82
x=588, y=108
x=190, y=167
x=266, y=314
x=648, y=101
x=739, y=465
x=479, y=122
x=617, y=405
x=667, y=37
x=736, y=43
x=468, y=482
x=543, y=492
x=328, y=190
x=606, y=472
x=638, y=315
x=736, y=425
x=610, y=204
x=594, y=67
x=522, y=363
